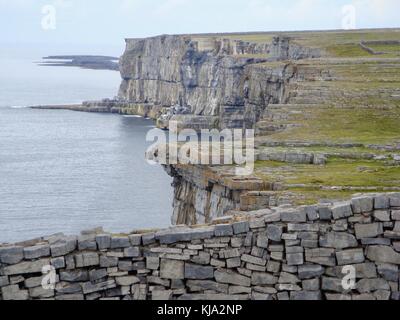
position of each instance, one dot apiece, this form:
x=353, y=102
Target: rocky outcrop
x=338, y=251
x=207, y=76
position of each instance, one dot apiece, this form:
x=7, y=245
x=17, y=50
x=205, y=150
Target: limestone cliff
x=206, y=80
x=324, y=105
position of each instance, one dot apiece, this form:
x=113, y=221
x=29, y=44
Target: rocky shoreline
x=82, y=61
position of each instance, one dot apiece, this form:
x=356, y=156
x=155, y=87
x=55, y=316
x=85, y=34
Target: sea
x=66, y=171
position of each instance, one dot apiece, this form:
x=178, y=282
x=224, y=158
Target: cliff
x=337, y=251
x=324, y=109
x=208, y=78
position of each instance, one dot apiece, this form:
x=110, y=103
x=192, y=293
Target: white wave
x=132, y=116
x=18, y=107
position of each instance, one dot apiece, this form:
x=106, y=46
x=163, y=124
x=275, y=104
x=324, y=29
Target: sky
x=109, y=22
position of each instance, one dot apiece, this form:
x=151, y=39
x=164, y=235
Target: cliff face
x=211, y=80
x=203, y=82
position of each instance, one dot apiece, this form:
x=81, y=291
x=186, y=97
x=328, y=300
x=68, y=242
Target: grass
x=370, y=126
x=348, y=173
x=349, y=50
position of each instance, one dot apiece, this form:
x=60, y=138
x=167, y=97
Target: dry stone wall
x=272, y=254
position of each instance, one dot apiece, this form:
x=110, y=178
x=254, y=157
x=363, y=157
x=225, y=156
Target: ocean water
x=65, y=171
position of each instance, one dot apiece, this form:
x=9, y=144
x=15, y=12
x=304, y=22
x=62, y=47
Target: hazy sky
x=109, y=21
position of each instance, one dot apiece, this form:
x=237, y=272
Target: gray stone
x=325, y=213
x=230, y=277
x=58, y=263
x=382, y=295
x=183, y=234
x=125, y=265
x=311, y=284
x=26, y=267
x=87, y=242
x=394, y=200
x=389, y=272
x=273, y=266
x=381, y=202
x=253, y=260
x=135, y=239
x=127, y=280
x=68, y=288
x=272, y=217
x=382, y=215
x=203, y=258
x=293, y=216
x=197, y=272
x=370, y=285
x=103, y=241
x=36, y=252
x=108, y=262
x=172, y=269
x=285, y=277
x=257, y=252
x=341, y=210
x=74, y=276
x=238, y=290
x=152, y=263
x=306, y=295
x=332, y=284
x=241, y=227
x=214, y=297
x=14, y=293
x=262, y=241
x=338, y=240
x=11, y=255
x=295, y=259
x=230, y=253
x=322, y=256
x=4, y=281
x=87, y=259
x=274, y=232
x=217, y=263
x=132, y=252
x=257, y=223
x=262, y=278
x=340, y=225
x=97, y=274
x=368, y=230
x=89, y=287
x=303, y=227
x=70, y=297
x=233, y=263
x=63, y=247
x=159, y=281
x=148, y=238
x=337, y=297
x=362, y=204
x=161, y=295
x=202, y=285
x=376, y=241
x=383, y=254
x=312, y=213
x=396, y=215
x=223, y=230
x=350, y=256
x=120, y=242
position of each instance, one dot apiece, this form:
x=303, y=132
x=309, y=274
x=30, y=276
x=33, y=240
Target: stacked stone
x=278, y=254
